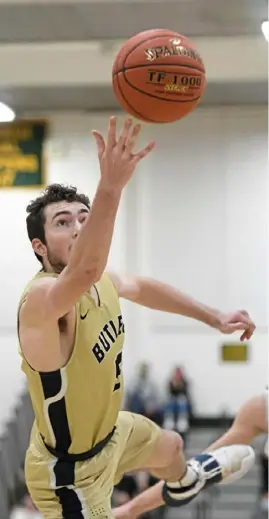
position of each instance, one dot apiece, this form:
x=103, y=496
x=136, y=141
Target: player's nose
x=76, y=229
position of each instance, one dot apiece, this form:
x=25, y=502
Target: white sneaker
x=222, y=466
x=227, y=464
x=235, y=461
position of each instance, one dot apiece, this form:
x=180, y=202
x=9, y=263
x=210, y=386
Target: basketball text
x=154, y=53
x=173, y=82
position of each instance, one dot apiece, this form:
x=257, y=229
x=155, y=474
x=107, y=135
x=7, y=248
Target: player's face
x=63, y=222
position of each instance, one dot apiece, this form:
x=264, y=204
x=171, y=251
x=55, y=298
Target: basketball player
x=250, y=422
x=71, y=335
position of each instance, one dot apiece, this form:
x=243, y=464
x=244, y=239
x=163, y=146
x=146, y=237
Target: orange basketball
x=158, y=76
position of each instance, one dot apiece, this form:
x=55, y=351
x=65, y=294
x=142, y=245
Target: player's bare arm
x=160, y=296
x=52, y=299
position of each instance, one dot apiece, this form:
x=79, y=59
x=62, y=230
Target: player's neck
x=53, y=269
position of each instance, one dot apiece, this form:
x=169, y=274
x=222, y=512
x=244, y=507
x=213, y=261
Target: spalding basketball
x=158, y=76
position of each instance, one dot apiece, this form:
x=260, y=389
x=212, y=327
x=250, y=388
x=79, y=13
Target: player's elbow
x=89, y=275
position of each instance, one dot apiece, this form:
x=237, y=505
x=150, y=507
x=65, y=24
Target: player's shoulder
x=33, y=296
x=40, y=285
x=112, y=277
x=40, y=282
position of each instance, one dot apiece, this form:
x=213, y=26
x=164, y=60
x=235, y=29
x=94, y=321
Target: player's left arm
x=160, y=296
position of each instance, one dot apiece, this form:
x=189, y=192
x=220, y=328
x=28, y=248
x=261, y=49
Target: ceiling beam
x=77, y=2
x=88, y=64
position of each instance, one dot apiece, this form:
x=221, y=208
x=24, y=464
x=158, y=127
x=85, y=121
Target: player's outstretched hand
x=237, y=321
x=116, y=155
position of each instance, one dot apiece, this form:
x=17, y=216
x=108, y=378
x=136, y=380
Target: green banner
x=235, y=352
x=22, y=161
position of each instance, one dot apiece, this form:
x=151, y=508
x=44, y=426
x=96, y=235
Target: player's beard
x=56, y=264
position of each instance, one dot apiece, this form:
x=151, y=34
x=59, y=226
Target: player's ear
x=39, y=247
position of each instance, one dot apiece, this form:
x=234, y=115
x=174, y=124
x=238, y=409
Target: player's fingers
x=124, y=134
x=100, y=143
x=234, y=327
x=132, y=138
x=247, y=333
x=249, y=324
x=244, y=312
x=250, y=332
x=245, y=316
x=112, y=135
x=146, y=151
x=244, y=336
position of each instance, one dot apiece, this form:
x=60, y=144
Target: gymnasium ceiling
x=78, y=20
x=48, y=21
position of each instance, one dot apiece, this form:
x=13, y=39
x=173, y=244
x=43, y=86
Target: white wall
x=204, y=220
x=195, y=215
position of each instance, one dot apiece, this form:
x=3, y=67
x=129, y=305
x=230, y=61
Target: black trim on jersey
x=98, y=297
x=52, y=385
x=64, y=471
x=64, y=468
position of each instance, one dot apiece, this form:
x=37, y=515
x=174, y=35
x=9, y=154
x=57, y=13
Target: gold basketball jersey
x=77, y=406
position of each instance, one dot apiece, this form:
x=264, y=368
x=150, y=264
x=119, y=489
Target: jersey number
x=118, y=362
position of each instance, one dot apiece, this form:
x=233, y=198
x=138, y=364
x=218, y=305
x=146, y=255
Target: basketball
x=158, y=76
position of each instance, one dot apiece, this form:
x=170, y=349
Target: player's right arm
x=52, y=298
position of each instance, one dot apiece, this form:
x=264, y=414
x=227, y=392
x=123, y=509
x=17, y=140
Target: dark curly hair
x=36, y=217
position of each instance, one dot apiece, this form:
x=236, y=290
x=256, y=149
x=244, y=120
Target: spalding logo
x=154, y=53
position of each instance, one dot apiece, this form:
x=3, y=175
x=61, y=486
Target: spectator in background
x=143, y=397
x=26, y=510
x=177, y=410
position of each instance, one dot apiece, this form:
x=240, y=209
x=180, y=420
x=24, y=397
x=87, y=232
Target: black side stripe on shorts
x=53, y=385
x=65, y=475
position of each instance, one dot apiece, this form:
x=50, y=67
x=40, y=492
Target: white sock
x=190, y=477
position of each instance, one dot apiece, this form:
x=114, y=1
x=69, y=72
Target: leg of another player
x=147, y=501
x=167, y=462
x=232, y=458
x=250, y=421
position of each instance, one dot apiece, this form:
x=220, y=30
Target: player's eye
x=62, y=223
